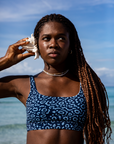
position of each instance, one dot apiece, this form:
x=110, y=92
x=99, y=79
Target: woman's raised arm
x=14, y=54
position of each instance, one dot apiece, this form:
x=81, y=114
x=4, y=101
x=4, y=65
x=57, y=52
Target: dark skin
x=54, y=47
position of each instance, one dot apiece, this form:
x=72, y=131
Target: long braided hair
x=97, y=128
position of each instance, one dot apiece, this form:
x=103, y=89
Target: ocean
x=13, y=119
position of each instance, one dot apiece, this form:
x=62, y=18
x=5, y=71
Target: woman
x=65, y=103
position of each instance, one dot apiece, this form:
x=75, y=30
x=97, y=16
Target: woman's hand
x=14, y=54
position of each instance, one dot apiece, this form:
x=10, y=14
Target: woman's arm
x=8, y=85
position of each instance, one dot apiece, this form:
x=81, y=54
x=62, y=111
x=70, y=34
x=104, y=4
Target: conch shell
x=32, y=46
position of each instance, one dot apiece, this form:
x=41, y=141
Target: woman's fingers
x=21, y=57
x=22, y=40
x=15, y=54
x=20, y=43
x=14, y=48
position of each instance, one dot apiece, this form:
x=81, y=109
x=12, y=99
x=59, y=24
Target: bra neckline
x=51, y=96
x=59, y=96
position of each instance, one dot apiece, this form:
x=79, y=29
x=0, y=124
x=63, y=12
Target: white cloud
x=20, y=69
x=24, y=10
x=106, y=75
x=105, y=71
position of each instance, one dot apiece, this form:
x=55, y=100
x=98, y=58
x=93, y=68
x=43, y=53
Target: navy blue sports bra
x=48, y=112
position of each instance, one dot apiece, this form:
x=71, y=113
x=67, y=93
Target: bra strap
x=32, y=83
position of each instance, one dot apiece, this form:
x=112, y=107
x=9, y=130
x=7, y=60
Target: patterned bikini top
x=49, y=112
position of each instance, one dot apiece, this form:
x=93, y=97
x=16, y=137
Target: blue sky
x=93, y=19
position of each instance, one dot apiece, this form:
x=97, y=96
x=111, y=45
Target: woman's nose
x=53, y=43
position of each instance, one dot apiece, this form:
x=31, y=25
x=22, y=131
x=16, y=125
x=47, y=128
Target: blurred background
x=94, y=21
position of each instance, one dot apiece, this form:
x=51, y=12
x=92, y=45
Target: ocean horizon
x=13, y=119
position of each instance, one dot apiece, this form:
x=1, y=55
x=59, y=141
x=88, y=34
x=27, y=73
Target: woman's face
x=54, y=43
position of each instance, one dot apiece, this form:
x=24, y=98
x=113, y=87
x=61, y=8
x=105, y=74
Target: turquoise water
x=13, y=119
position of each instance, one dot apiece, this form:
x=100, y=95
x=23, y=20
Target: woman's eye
x=61, y=38
x=46, y=38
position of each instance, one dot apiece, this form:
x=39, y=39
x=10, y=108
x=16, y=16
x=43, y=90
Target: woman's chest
x=58, y=88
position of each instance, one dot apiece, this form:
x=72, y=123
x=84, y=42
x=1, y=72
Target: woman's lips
x=53, y=54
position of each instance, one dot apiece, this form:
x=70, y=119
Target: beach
x=13, y=119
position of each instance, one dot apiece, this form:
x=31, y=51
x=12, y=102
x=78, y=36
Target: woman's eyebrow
x=45, y=35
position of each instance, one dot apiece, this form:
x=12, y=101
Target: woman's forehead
x=53, y=26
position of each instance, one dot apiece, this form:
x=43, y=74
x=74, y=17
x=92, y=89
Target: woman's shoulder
x=14, y=78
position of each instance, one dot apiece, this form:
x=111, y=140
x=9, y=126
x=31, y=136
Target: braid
x=97, y=120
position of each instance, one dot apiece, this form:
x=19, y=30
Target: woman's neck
x=55, y=69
